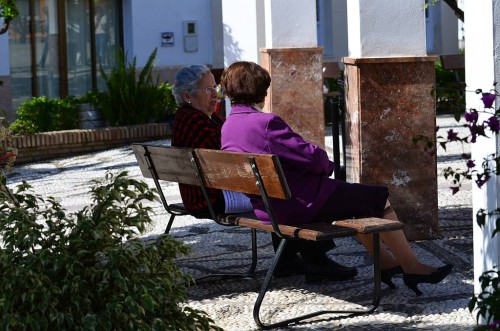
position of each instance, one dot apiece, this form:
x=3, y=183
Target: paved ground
x=230, y=302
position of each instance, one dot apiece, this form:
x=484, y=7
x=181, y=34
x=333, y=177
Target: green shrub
x=132, y=98
x=89, y=270
x=168, y=97
x=41, y=114
x=487, y=302
x=332, y=102
x=91, y=97
x=450, y=95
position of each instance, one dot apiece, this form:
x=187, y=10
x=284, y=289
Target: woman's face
x=205, y=98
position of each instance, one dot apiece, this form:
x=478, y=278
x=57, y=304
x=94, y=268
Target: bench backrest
x=219, y=169
x=233, y=171
x=173, y=164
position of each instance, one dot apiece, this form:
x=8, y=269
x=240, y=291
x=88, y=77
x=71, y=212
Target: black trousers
x=349, y=200
x=313, y=252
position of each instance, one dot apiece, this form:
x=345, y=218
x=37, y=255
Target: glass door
x=107, y=36
x=57, y=47
x=20, y=55
x=78, y=47
x=46, y=40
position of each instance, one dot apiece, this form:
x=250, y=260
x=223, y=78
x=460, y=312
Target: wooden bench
x=256, y=174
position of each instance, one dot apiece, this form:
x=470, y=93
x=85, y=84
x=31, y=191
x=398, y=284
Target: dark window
x=57, y=47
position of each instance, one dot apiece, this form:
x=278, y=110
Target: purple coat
x=306, y=166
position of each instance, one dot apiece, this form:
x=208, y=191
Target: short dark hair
x=245, y=83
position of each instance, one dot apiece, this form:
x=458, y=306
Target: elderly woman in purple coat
x=315, y=196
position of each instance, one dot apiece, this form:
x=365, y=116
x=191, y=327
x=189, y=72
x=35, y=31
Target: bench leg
x=270, y=272
x=253, y=264
x=254, y=253
x=169, y=225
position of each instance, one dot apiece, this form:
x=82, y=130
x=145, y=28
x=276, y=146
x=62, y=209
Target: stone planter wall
x=55, y=144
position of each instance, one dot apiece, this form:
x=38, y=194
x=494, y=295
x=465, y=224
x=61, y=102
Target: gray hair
x=186, y=80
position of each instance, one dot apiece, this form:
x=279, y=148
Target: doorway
x=57, y=47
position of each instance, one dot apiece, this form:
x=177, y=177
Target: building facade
x=57, y=48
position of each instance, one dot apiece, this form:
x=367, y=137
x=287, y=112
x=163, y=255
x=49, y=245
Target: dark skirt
x=351, y=200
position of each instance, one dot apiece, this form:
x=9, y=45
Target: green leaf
x=91, y=261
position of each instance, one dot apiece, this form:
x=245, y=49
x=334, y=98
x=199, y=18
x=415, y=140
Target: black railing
x=337, y=109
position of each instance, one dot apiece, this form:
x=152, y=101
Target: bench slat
x=312, y=231
x=232, y=171
x=370, y=224
x=172, y=164
x=317, y=231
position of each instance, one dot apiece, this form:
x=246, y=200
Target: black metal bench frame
x=178, y=209
x=337, y=230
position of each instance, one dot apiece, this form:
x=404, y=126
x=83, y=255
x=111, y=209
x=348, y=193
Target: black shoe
x=412, y=280
x=329, y=270
x=387, y=274
x=290, y=267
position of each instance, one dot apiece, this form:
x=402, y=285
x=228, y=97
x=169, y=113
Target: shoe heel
x=387, y=274
x=414, y=287
x=412, y=280
x=388, y=281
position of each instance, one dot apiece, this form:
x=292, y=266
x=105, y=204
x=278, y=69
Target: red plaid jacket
x=192, y=128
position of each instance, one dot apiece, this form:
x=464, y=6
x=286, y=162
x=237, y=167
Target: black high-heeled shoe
x=412, y=280
x=387, y=274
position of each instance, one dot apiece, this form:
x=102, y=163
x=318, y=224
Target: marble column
x=389, y=101
x=296, y=92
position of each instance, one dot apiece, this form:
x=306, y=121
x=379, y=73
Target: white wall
x=244, y=34
x=442, y=29
x=290, y=23
x=146, y=20
x=4, y=55
x=217, y=34
x=382, y=28
x=482, y=42
x=332, y=29
x=339, y=26
x=449, y=30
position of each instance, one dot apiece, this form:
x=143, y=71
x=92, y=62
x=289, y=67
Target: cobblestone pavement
x=230, y=301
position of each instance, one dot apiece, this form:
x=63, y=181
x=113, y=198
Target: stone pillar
x=284, y=32
x=390, y=100
x=296, y=93
x=389, y=83
x=295, y=63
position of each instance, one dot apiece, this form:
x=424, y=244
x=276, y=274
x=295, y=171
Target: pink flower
x=471, y=116
x=493, y=123
x=452, y=135
x=488, y=99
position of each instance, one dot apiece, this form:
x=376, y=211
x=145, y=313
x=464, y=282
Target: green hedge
x=41, y=114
